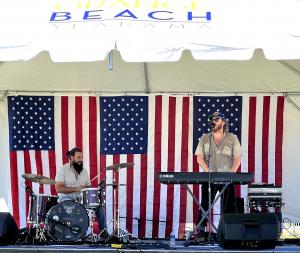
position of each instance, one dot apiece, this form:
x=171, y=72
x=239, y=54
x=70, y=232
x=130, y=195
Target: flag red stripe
x=39, y=168
x=129, y=195
x=143, y=196
x=265, y=138
x=64, y=128
x=171, y=163
x=93, y=139
x=251, y=134
x=27, y=169
x=157, y=164
x=279, y=140
x=238, y=190
x=14, y=186
x=52, y=169
x=102, y=167
x=184, y=163
x=78, y=122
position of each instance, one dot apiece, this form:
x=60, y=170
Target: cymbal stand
x=40, y=231
x=35, y=225
x=121, y=233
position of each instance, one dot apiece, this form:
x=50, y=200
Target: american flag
x=231, y=107
x=124, y=124
x=169, y=128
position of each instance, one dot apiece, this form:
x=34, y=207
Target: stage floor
x=144, y=246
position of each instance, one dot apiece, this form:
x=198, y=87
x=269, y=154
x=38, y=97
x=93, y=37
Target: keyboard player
x=218, y=151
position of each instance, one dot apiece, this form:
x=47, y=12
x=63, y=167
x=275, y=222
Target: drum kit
x=71, y=220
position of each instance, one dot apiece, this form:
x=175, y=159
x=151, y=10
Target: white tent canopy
x=185, y=76
x=149, y=31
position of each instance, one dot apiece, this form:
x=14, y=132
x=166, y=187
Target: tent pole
x=110, y=60
x=291, y=68
x=288, y=98
x=146, y=77
x=97, y=92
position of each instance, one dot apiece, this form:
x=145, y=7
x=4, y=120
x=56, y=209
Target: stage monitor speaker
x=8, y=229
x=251, y=230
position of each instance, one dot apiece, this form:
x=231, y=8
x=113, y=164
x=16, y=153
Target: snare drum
x=89, y=197
x=39, y=205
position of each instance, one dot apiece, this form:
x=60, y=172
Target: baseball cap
x=216, y=115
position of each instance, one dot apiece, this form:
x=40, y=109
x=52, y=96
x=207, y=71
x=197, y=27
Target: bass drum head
x=67, y=221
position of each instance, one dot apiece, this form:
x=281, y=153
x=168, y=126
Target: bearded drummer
x=71, y=178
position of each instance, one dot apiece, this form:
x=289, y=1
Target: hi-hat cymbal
x=34, y=178
x=119, y=166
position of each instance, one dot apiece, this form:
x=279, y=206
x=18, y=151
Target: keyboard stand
x=206, y=213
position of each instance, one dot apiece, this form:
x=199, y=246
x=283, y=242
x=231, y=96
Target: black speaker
x=8, y=229
x=251, y=230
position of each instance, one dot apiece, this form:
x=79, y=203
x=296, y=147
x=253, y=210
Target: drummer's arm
x=61, y=188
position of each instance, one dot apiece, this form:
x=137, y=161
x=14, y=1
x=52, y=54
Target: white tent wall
x=291, y=161
x=5, y=189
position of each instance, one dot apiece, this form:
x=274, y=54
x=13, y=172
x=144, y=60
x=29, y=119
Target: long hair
x=226, y=126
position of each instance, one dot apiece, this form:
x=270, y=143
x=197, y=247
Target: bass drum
x=67, y=221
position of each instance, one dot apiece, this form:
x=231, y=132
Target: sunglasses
x=216, y=119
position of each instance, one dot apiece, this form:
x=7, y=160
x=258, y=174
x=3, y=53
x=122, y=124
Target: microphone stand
x=209, y=188
x=27, y=188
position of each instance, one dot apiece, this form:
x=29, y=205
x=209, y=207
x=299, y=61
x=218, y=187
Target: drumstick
x=93, y=179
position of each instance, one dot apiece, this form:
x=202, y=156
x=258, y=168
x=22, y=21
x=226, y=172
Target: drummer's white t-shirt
x=67, y=175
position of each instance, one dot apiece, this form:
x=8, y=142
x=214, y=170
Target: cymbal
x=119, y=166
x=34, y=178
